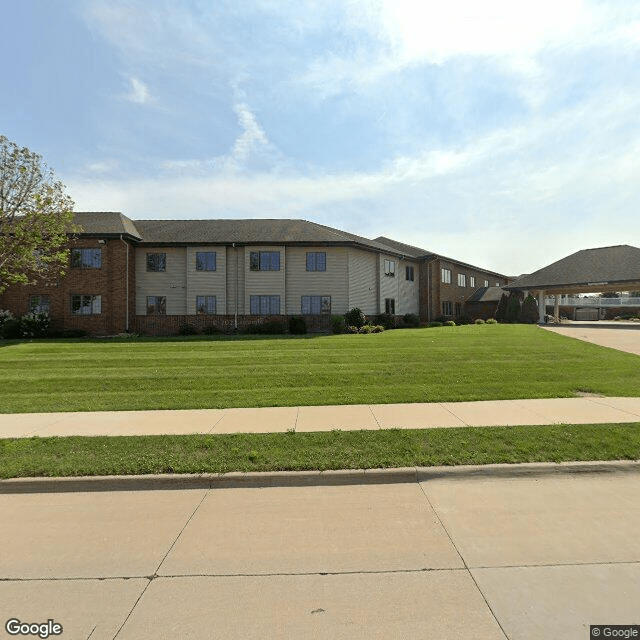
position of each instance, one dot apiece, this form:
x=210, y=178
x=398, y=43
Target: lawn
x=472, y=362
x=84, y=456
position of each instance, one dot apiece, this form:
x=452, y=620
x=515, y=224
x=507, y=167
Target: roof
x=486, y=294
x=592, y=269
x=106, y=223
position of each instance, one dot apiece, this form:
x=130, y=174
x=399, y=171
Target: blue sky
x=503, y=133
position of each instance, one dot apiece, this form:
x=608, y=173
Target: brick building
x=154, y=276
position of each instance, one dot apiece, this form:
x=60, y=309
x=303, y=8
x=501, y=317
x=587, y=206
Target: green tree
x=36, y=217
x=529, y=311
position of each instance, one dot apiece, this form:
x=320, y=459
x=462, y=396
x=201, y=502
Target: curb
x=343, y=477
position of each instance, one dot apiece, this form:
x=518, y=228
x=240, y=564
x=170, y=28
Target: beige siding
x=264, y=283
x=206, y=283
x=171, y=283
x=409, y=301
x=332, y=282
x=363, y=281
x=235, y=276
x=389, y=286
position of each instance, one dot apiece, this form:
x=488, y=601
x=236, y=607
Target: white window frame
x=445, y=275
x=390, y=268
x=462, y=280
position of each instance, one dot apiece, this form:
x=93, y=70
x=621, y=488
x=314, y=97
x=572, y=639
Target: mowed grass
x=416, y=365
x=84, y=456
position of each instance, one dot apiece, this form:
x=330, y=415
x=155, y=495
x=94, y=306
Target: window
x=472, y=281
x=156, y=305
x=390, y=268
x=316, y=261
x=390, y=306
x=498, y=284
x=462, y=280
x=156, y=261
x=86, y=258
x=83, y=305
x=264, y=261
x=39, y=304
x=206, y=305
x=205, y=260
x=409, y=273
x=445, y=276
x=265, y=305
x=315, y=305
x=447, y=309
x=486, y=283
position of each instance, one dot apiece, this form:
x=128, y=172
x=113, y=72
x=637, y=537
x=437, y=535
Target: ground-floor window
x=156, y=305
x=265, y=305
x=39, y=304
x=447, y=309
x=86, y=305
x=206, y=305
x=390, y=306
x=315, y=305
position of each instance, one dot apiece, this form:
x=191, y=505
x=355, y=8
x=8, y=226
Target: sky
x=505, y=133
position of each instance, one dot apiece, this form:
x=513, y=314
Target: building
x=155, y=276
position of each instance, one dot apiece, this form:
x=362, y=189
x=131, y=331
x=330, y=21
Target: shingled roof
x=486, y=294
x=590, y=269
x=106, y=223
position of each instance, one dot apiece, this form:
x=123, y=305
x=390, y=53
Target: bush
x=35, y=325
x=338, y=325
x=365, y=328
x=11, y=329
x=449, y=323
x=529, y=311
x=464, y=319
x=441, y=319
x=211, y=330
x=355, y=318
x=512, y=312
x=435, y=323
x=81, y=333
x=378, y=328
x=411, y=320
x=491, y=321
x=501, y=311
x=479, y=321
x=187, y=330
x=350, y=329
x=297, y=326
x=273, y=327
x=387, y=320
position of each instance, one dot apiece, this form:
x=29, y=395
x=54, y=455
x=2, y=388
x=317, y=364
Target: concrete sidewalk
x=324, y=418
x=523, y=552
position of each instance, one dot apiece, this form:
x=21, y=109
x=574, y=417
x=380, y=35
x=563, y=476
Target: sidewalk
x=584, y=410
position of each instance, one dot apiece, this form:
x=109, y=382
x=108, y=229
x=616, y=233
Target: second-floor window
x=156, y=261
x=462, y=280
x=472, y=281
x=86, y=258
x=316, y=261
x=445, y=276
x=390, y=268
x=205, y=260
x=409, y=273
x=264, y=261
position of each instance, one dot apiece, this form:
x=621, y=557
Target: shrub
x=187, y=330
x=211, y=330
x=411, y=320
x=435, y=323
x=35, y=325
x=297, y=325
x=449, y=323
x=338, y=325
x=387, y=320
x=11, y=329
x=378, y=328
x=464, y=319
x=355, y=318
x=529, y=311
x=350, y=329
x=478, y=321
x=81, y=333
x=365, y=328
x=501, y=311
x=491, y=321
x=273, y=327
x=512, y=312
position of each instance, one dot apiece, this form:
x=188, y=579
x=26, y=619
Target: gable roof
x=106, y=223
x=589, y=268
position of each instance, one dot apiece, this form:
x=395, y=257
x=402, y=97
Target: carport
x=588, y=271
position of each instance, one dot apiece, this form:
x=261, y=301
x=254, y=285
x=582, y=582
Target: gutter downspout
x=126, y=309
x=235, y=320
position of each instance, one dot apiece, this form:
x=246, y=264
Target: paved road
x=524, y=553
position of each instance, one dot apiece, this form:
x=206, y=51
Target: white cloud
x=139, y=92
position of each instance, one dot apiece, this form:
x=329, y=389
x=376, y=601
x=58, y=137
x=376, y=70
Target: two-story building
x=154, y=276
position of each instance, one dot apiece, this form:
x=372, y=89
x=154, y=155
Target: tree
x=529, y=311
x=36, y=217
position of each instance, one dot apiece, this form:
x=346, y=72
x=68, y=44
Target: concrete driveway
x=519, y=552
x=624, y=336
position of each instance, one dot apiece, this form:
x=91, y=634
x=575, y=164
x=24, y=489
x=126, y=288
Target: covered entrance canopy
x=587, y=271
